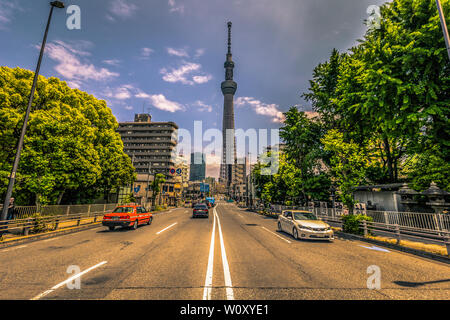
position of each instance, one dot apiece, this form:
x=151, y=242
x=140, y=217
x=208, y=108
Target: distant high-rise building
x=240, y=170
x=198, y=167
x=151, y=145
x=152, y=148
x=181, y=163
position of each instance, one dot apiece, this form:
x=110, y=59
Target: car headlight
x=304, y=227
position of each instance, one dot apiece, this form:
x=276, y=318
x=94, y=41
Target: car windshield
x=123, y=210
x=304, y=216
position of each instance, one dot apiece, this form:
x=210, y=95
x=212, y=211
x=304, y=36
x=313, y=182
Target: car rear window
x=200, y=206
x=123, y=210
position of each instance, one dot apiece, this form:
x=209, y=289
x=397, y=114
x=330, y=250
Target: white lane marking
x=13, y=248
x=43, y=294
x=51, y=239
x=375, y=248
x=209, y=270
x=166, y=228
x=276, y=235
x=226, y=268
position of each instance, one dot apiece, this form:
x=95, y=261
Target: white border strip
x=43, y=294
x=226, y=268
x=209, y=270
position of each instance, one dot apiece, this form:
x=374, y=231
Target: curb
x=416, y=252
x=52, y=234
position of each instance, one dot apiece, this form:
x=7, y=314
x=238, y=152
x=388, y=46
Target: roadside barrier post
x=27, y=226
x=79, y=220
x=56, y=223
x=397, y=233
x=365, y=228
x=447, y=242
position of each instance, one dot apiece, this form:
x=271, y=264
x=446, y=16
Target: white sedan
x=304, y=225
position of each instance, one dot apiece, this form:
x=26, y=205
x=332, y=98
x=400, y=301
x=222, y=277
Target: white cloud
x=7, y=10
x=146, y=52
x=269, y=110
x=159, y=101
x=179, y=75
x=199, y=53
x=122, y=9
x=174, y=7
x=202, y=106
x=177, y=52
x=182, y=74
x=123, y=92
x=112, y=62
x=129, y=108
x=72, y=64
x=201, y=79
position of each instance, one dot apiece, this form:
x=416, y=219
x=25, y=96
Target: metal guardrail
x=422, y=226
x=51, y=217
x=22, y=212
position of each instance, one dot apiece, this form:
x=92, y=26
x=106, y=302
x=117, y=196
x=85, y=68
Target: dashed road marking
x=43, y=294
x=276, y=235
x=166, y=228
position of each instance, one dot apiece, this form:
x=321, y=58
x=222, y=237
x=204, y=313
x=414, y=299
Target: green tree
x=158, y=180
x=71, y=146
x=306, y=156
x=348, y=165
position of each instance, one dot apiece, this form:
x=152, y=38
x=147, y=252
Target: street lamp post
x=12, y=177
x=444, y=26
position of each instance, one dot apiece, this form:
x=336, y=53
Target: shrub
x=39, y=224
x=351, y=223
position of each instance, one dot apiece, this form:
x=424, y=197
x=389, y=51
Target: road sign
x=179, y=171
x=204, y=187
x=136, y=189
x=172, y=171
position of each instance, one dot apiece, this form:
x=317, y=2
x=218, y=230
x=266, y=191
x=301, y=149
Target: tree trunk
x=60, y=198
x=389, y=159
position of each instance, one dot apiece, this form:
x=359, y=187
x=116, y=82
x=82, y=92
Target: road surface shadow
x=418, y=284
x=291, y=237
x=117, y=229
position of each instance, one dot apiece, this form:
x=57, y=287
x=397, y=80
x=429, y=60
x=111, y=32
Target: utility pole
x=444, y=26
x=12, y=177
x=148, y=182
x=132, y=184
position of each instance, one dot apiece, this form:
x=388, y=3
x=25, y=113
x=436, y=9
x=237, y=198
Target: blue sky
x=166, y=56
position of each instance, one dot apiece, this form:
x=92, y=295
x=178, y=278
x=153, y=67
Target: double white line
x=226, y=269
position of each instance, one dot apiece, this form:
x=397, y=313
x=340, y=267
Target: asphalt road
x=178, y=257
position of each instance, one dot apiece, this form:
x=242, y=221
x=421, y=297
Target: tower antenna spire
x=229, y=37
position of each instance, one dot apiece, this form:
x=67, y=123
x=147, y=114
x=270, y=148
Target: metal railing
x=51, y=217
x=23, y=212
x=433, y=227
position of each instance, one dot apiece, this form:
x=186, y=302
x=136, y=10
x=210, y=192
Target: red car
x=129, y=215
